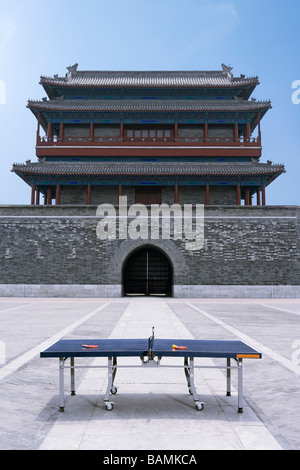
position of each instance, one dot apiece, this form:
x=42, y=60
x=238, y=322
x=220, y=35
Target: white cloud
x=2, y=92
x=215, y=21
x=7, y=29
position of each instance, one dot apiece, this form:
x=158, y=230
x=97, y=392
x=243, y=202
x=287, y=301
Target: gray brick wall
x=101, y=194
x=58, y=245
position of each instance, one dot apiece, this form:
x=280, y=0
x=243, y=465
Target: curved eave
x=127, y=84
x=131, y=107
x=73, y=170
x=58, y=106
x=55, y=86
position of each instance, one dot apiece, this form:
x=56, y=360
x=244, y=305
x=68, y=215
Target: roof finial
x=72, y=68
x=227, y=69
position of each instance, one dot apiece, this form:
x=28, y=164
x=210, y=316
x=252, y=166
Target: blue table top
x=139, y=347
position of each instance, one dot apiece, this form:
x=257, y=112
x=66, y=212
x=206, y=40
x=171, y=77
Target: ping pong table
x=151, y=351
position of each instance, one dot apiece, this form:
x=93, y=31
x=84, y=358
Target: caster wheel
x=199, y=406
x=109, y=406
x=113, y=390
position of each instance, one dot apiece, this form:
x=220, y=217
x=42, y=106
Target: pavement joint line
x=85, y=432
x=251, y=342
x=15, y=364
x=17, y=307
x=280, y=309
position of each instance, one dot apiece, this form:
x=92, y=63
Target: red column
x=32, y=194
x=61, y=131
x=176, y=194
x=57, y=196
x=205, y=131
x=259, y=131
x=207, y=194
x=91, y=130
x=121, y=130
x=258, y=197
x=37, y=197
x=38, y=129
x=263, y=195
x=247, y=131
x=238, y=194
x=246, y=196
x=49, y=196
x=49, y=131
x=236, y=132
x=176, y=130
x=89, y=194
x=119, y=192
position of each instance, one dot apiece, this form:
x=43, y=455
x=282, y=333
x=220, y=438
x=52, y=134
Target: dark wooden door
x=147, y=195
x=148, y=272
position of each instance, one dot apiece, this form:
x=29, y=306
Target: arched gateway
x=147, y=272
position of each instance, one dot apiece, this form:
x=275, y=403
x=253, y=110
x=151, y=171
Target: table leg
x=112, y=369
x=61, y=384
x=189, y=373
x=72, y=363
x=186, y=371
x=240, y=385
x=113, y=388
x=228, y=376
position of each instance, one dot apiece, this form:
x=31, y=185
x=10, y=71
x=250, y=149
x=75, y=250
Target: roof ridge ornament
x=227, y=70
x=72, y=68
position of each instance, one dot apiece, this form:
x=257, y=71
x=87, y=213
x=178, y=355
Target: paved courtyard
x=152, y=409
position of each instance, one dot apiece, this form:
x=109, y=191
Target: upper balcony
x=148, y=146
x=155, y=129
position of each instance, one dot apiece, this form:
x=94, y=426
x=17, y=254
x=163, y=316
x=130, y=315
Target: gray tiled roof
x=148, y=105
x=121, y=168
x=149, y=79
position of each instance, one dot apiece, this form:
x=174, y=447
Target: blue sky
x=261, y=37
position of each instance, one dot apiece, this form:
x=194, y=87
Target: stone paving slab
x=152, y=407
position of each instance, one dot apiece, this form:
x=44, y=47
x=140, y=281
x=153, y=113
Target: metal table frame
x=112, y=349
x=189, y=370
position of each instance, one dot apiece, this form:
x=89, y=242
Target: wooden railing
x=115, y=141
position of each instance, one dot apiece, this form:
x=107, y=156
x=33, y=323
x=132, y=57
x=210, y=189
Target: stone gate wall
x=54, y=251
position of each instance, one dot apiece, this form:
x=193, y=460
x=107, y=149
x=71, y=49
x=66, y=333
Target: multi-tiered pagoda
x=155, y=137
